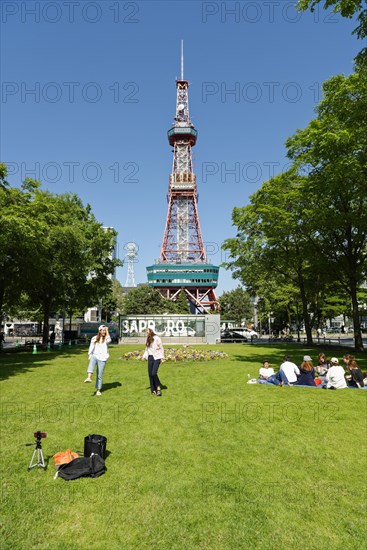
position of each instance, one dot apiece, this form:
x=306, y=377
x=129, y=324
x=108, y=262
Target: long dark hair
x=150, y=337
x=352, y=364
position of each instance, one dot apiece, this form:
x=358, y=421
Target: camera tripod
x=40, y=460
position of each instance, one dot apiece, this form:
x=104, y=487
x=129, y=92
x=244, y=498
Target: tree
x=306, y=230
x=3, y=174
x=235, y=305
x=18, y=244
x=145, y=300
x=59, y=256
x=114, y=303
x=332, y=150
x=347, y=8
x=271, y=255
x=182, y=304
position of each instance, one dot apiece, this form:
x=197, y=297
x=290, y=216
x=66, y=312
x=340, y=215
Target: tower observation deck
x=182, y=263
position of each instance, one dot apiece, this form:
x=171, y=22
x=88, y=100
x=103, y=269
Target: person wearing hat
x=335, y=375
x=98, y=355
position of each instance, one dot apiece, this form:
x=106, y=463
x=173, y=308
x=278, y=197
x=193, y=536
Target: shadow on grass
x=110, y=386
x=163, y=387
x=12, y=364
x=275, y=353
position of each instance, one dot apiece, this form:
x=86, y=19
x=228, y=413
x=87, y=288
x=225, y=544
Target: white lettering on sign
x=171, y=327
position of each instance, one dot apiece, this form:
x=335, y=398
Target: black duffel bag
x=92, y=466
x=94, y=443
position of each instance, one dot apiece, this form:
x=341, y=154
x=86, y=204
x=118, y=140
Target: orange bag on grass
x=64, y=457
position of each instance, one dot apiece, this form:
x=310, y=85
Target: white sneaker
x=98, y=392
x=88, y=380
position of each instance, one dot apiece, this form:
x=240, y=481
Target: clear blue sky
x=104, y=79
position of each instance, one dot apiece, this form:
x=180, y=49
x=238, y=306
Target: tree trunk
x=353, y=289
x=358, y=342
x=306, y=317
x=46, y=326
x=2, y=293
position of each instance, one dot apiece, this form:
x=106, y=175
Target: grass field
x=214, y=463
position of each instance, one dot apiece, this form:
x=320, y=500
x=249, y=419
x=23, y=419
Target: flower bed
x=180, y=354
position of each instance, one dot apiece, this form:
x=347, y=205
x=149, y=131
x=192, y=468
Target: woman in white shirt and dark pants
x=154, y=352
x=98, y=355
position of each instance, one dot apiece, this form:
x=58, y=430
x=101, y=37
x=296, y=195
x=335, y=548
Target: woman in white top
x=265, y=371
x=154, y=352
x=335, y=375
x=98, y=355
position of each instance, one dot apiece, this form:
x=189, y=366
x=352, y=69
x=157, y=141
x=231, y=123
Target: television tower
x=182, y=263
x=131, y=255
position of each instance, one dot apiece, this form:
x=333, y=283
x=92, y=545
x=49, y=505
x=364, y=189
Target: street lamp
x=254, y=302
x=270, y=321
x=298, y=327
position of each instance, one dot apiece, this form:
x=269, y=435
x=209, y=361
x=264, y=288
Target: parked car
x=247, y=332
x=232, y=335
x=250, y=333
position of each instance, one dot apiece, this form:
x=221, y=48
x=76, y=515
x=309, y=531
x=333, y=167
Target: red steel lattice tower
x=183, y=263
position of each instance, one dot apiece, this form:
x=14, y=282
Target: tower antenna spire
x=182, y=61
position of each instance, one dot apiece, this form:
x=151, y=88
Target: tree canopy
x=333, y=151
x=145, y=300
x=348, y=9
x=52, y=251
x=305, y=231
x=236, y=305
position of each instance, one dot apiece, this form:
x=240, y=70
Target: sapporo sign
x=162, y=326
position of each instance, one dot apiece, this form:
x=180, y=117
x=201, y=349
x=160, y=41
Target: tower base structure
x=197, y=280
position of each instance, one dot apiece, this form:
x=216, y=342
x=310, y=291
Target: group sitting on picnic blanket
x=328, y=374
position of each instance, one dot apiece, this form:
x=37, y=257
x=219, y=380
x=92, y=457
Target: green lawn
x=214, y=463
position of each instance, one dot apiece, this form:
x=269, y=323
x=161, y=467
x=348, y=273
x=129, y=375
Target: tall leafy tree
x=271, y=254
x=18, y=243
x=333, y=152
x=306, y=230
x=59, y=256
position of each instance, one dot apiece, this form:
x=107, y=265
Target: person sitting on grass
x=288, y=371
x=355, y=376
x=265, y=371
x=323, y=366
x=347, y=358
x=307, y=373
x=335, y=379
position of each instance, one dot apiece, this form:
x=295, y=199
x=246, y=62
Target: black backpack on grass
x=91, y=466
